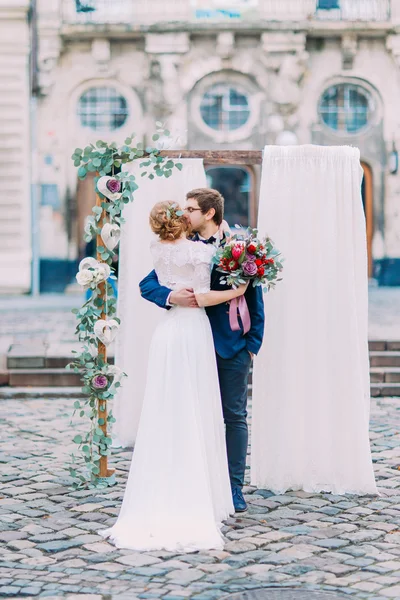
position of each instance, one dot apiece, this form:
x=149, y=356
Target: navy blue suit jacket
x=227, y=342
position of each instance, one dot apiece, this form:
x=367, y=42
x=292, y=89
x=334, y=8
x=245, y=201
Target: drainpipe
x=35, y=265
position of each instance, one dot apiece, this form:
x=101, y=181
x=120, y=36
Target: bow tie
x=211, y=240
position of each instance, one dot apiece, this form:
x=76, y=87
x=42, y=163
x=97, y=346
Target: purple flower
x=113, y=185
x=250, y=257
x=100, y=382
x=249, y=268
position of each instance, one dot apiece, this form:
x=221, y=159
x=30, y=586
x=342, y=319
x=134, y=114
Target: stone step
x=43, y=378
x=42, y=362
x=384, y=359
x=382, y=346
x=35, y=365
x=385, y=374
x=385, y=389
x=16, y=393
x=4, y=377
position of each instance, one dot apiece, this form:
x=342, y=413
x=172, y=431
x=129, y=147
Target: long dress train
x=178, y=490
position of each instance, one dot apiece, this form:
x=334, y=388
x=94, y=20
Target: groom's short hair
x=208, y=198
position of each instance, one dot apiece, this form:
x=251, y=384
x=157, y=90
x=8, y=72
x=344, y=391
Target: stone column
x=15, y=197
x=395, y=12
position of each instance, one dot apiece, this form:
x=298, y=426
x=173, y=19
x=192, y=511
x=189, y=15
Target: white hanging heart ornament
x=117, y=375
x=110, y=234
x=88, y=263
x=106, y=331
x=109, y=187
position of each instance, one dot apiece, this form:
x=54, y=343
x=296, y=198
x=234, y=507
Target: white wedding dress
x=178, y=491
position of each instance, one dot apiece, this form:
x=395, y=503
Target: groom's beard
x=191, y=233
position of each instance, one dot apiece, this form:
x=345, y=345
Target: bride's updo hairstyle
x=168, y=221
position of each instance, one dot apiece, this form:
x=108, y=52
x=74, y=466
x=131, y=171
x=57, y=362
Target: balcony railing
x=355, y=10
x=146, y=12
x=332, y=10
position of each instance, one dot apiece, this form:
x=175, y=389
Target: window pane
x=346, y=108
x=328, y=4
x=102, y=108
x=224, y=108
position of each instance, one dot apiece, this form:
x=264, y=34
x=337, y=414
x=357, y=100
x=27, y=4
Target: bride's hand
x=241, y=289
x=224, y=230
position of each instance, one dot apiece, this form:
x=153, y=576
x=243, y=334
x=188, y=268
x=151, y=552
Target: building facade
x=223, y=74
x=15, y=135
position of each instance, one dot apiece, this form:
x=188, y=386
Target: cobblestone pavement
x=50, y=546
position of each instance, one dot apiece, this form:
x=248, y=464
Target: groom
x=234, y=351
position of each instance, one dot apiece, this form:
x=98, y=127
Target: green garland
x=100, y=379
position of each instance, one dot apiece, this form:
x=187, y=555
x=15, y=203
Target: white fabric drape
x=138, y=317
x=311, y=379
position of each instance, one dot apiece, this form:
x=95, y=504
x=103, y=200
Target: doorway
x=367, y=194
x=237, y=185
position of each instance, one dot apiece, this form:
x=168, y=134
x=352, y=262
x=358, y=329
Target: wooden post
x=105, y=472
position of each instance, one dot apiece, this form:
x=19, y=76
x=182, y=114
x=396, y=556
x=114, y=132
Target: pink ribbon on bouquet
x=241, y=305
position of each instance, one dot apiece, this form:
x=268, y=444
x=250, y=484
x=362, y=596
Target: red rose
x=252, y=248
x=259, y=262
x=260, y=271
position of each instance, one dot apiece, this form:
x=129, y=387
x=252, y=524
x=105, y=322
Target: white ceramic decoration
x=106, y=330
x=105, y=191
x=117, y=375
x=110, y=234
x=88, y=263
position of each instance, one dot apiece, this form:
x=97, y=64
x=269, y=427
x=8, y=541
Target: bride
x=178, y=491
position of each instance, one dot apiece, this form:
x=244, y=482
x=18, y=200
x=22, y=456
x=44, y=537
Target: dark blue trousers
x=233, y=376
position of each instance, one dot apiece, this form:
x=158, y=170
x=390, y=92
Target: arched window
x=102, y=109
x=225, y=107
x=346, y=108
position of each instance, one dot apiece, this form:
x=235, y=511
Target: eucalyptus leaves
x=97, y=322
x=173, y=210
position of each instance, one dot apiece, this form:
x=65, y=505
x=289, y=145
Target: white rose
x=103, y=272
x=85, y=277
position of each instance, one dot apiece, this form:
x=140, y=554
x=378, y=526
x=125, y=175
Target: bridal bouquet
x=246, y=258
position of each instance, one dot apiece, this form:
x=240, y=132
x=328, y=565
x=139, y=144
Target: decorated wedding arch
x=97, y=321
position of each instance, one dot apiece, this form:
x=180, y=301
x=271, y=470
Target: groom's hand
x=184, y=297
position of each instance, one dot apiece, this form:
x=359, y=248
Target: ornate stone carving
x=163, y=90
x=393, y=45
x=349, y=49
x=48, y=55
x=285, y=88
